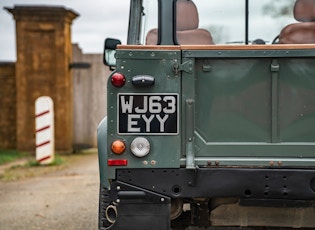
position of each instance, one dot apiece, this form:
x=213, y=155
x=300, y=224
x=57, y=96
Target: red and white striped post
x=44, y=122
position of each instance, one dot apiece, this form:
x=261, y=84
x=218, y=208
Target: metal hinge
x=186, y=67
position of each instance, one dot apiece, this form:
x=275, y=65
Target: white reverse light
x=140, y=147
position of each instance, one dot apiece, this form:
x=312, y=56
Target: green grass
x=10, y=155
x=58, y=160
x=31, y=168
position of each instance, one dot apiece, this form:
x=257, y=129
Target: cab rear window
x=227, y=21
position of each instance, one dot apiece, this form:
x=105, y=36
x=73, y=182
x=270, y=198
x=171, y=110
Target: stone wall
x=8, y=105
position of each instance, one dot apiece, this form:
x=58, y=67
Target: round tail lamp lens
x=140, y=147
x=118, y=147
x=118, y=79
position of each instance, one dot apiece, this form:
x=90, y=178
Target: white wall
x=89, y=96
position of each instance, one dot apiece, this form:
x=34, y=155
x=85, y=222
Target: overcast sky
x=98, y=19
x=109, y=18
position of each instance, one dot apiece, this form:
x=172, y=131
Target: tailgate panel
x=244, y=108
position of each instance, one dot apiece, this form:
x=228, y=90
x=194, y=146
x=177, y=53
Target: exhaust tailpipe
x=111, y=214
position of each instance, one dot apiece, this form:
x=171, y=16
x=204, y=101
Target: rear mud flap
x=139, y=209
x=142, y=217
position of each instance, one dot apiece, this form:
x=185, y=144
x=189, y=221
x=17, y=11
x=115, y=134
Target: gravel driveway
x=67, y=199
x=63, y=200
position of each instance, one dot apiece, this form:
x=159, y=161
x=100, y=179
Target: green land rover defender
x=211, y=117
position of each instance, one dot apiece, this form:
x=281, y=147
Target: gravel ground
x=58, y=198
x=65, y=199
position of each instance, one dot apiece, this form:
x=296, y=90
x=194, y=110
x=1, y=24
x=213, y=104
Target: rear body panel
x=244, y=130
x=159, y=65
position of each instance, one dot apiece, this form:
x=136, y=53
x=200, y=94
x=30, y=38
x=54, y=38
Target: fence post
x=45, y=137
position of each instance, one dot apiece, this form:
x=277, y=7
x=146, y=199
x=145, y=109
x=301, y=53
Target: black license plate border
x=149, y=133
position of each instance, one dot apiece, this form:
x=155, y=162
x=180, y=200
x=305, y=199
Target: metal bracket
x=190, y=152
x=186, y=67
x=274, y=67
x=79, y=65
x=125, y=193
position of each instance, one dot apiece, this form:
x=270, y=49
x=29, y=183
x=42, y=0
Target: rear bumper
x=144, y=196
x=283, y=185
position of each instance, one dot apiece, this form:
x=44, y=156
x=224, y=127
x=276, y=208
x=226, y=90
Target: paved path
x=67, y=199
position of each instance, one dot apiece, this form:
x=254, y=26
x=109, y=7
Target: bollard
x=44, y=122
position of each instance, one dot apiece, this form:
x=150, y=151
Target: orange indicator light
x=118, y=147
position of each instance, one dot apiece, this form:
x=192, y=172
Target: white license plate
x=148, y=114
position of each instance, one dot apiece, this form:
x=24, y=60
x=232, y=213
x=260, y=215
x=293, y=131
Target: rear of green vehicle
x=207, y=135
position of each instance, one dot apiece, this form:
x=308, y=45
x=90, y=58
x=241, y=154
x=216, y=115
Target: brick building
x=8, y=105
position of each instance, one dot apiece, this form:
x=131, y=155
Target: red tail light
x=117, y=162
x=118, y=79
